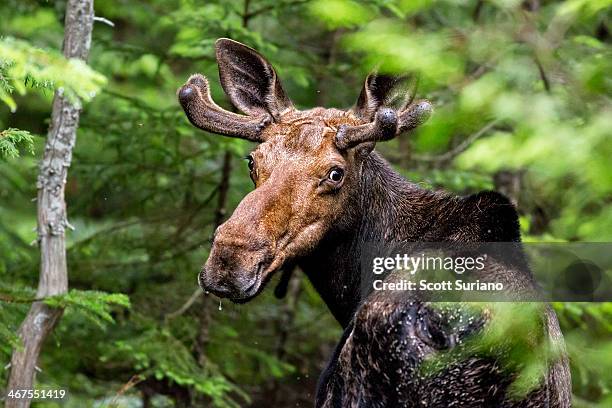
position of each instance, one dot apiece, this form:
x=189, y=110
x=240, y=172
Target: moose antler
x=386, y=125
x=252, y=85
x=204, y=113
x=414, y=116
x=383, y=127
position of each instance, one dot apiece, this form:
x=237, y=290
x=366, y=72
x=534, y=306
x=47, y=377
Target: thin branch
x=104, y=20
x=543, y=75
x=192, y=299
x=460, y=148
x=134, y=380
x=11, y=299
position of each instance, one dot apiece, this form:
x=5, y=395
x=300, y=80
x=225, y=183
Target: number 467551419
x=36, y=394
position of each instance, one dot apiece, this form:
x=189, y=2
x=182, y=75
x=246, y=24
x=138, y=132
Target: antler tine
x=384, y=127
x=204, y=113
x=414, y=116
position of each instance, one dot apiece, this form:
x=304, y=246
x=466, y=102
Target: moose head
x=306, y=168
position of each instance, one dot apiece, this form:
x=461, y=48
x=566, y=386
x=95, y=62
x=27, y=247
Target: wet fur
x=376, y=362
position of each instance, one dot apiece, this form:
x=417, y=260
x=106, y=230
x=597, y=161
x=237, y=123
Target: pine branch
x=12, y=139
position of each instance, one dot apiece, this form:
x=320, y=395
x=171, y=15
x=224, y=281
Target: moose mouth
x=254, y=288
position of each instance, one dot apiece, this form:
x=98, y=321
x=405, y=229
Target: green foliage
x=10, y=141
x=9, y=339
x=341, y=13
x=518, y=92
x=22, y=65
x=148, y=353
x=590, y=354
x=94, y=305
x=12, y=296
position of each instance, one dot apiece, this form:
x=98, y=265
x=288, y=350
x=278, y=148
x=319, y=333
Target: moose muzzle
x=236, y=263
x=245, y=247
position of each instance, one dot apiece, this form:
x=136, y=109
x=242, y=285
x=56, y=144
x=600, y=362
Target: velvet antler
x=414, y=116
x=386, y=106
x=204, y=113
x=250, y=82
x=386, y=125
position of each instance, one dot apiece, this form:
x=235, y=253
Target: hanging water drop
x=220, y=306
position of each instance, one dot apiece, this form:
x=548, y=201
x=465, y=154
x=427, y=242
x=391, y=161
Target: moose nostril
x=220, y=288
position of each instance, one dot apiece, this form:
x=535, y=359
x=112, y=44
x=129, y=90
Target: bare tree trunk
x=52, y=221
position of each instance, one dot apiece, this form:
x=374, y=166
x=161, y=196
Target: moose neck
x=387, y=208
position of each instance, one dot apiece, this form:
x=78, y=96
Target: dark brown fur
x=321, y=195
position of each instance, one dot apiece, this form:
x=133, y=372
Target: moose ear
x=383, y=90
x=249, y=80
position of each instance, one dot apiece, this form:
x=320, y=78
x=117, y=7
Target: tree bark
x=52, y=221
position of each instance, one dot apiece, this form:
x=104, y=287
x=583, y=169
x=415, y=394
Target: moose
x=321, y=193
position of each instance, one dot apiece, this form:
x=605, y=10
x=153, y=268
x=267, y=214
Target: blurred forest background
x=522, y=95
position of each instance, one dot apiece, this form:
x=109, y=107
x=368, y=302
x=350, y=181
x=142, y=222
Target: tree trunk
x=52, y=221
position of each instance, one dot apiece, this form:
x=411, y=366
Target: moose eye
x=336, y=174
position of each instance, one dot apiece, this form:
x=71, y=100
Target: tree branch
x=543, y=76
x=195, y=296
x=12, y=299
x=460, y=148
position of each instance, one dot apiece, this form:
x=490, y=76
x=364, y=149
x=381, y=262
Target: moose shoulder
x=321, y=194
